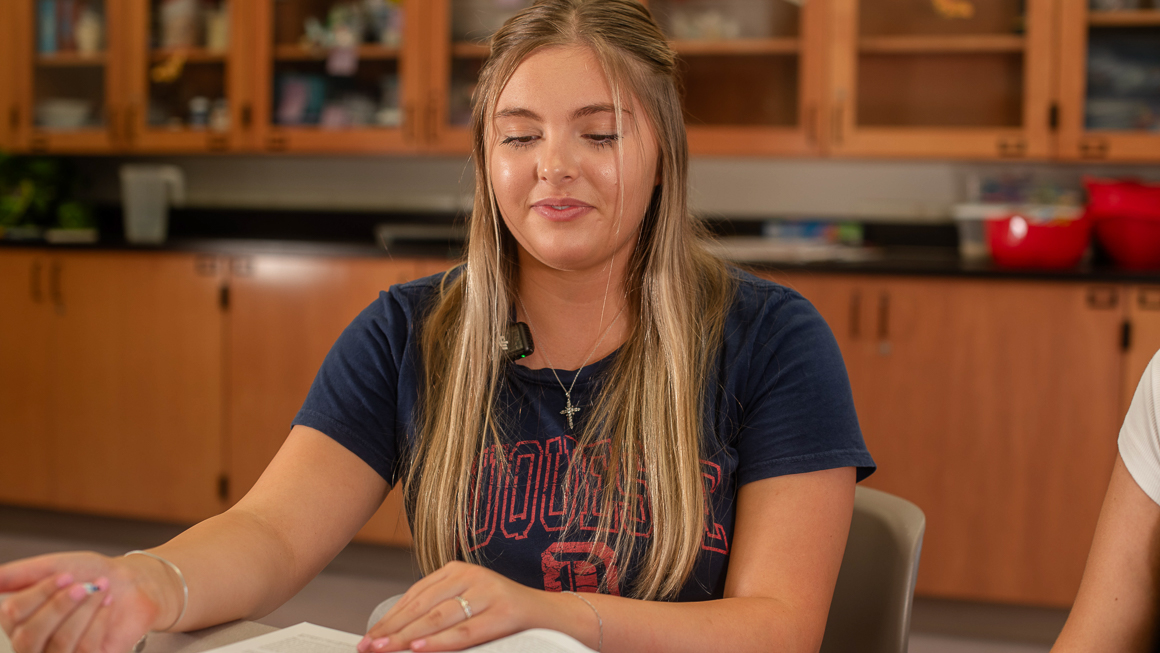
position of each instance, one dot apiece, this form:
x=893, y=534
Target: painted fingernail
x=418, y=644
x=363, y=643
x=381, y=643
x=64, y=580
x=80, y=591
x=107, y=600
x=102, y=583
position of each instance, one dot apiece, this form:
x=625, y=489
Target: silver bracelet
x=600, y=646
x=180, y=576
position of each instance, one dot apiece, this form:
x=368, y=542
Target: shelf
x=467, y=50
x=1139, y=18
x=737, y=46
x=301, y=53
x=70, y=60
x=972, y=43
x=192, y=55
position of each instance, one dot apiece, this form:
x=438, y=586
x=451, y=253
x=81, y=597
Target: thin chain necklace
x=569, y=409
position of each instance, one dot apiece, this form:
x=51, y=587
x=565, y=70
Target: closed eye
x=518, y=141
x=602, y=140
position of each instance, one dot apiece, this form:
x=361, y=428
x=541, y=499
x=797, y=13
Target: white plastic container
x=146, y=193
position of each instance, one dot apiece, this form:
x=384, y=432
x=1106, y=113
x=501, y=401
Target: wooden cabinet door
x=994, y=406
x=1142, y=310
x=941, y=78
x=285, y=314
x=1107, y=110
x=302, y=105
x=136, y=402
x=25, y=317
x=68, y=101
x=188, y=92
x=9, y=114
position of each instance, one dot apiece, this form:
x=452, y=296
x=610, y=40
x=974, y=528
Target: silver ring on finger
x=465, y=605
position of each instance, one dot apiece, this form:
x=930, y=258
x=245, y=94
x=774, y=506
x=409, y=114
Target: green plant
x=39, y=191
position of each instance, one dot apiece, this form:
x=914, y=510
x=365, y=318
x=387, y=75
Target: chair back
x=870, y=612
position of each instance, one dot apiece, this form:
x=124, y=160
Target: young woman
x=679, y=443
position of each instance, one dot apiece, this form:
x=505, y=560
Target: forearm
x=733, y=624
x=236, y=565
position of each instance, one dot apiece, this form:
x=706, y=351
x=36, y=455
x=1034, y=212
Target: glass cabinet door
x=185, y=69
x=750, y=73
x=966, y=78
x=338, y=76
x=66, y=76
x=1110, y=80
x=751, y=83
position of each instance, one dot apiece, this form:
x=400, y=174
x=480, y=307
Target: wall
x=734, y=188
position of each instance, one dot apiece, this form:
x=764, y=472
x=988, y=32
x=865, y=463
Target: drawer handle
x=1102, y=298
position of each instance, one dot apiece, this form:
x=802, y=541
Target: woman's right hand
x=82, y=602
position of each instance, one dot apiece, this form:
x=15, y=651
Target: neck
x=569, y=311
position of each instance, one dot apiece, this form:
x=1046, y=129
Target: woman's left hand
x=429, y=617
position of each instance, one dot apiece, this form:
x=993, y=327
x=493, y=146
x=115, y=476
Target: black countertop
x=902, y=249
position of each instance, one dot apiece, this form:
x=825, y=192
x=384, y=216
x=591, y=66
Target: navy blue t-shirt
x=780, y=403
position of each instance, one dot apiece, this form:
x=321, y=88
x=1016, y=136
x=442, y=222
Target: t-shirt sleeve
x=1139, y=441
x=355, y=395
x=798, y=411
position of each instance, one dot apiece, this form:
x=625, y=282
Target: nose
x=559, y=163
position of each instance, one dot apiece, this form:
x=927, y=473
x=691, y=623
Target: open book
x=309, y=638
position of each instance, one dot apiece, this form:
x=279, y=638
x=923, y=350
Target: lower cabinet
x=112, y=383
x=285, y=313
x=993, y=405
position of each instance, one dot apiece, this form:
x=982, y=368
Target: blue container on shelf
x=46, y=26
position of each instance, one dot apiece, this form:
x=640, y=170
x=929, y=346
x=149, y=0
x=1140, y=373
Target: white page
x=309, y=638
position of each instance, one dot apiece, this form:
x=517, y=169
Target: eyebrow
x=591, y=109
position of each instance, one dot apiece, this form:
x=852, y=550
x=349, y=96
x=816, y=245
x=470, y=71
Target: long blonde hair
x=651, y=406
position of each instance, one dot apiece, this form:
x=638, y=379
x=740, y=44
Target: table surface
x=192, y=642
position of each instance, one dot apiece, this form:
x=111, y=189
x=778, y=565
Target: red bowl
x=1122, y=199
x=1021, y=242
x=1131, y=242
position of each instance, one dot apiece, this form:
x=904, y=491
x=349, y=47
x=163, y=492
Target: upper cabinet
x=339, y=76
x=68, y=84
x=951, y=78
x=1110, y=80
x=977, y=79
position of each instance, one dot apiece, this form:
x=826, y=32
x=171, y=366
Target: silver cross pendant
x=569, y=410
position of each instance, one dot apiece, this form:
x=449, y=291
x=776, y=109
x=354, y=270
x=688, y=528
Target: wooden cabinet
x=994, y=406
x=112, y=383
x=1007, y=79
x=25, y=320
x=1141, y=336
x=285, y=313
x=8, y=111
x=949, y=78
x=1109, y=110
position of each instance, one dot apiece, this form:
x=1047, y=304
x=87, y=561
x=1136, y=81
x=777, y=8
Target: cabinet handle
x=217, y=143
x=206, y=265
x=855, y=315
x=34, y=288
x=1012, y=148
x=247, y=117
x=836, y=127
x=276, y=143
x=1148, y=299
x=130, y=126
x=410, y=129
x=55, y=272
x=1102, y=297
x=38, y=144
x=1094, y=148
x=14, y=118
x=113, y=124
x=242, y=267
x=432, y=119
x=884, y=317
x=812, y=124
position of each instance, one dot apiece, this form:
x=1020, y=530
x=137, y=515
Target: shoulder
x=1139, y=441
x=763, y=308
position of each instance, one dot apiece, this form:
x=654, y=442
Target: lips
x=561, y=209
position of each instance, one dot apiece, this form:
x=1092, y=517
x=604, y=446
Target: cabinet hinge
x=224, y=487
x=224, y=298
x=1126, y=335
x=1053, y=116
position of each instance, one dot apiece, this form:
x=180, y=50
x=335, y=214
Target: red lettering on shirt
x=580, y=567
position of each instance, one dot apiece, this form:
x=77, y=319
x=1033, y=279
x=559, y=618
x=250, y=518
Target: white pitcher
x=146, y=193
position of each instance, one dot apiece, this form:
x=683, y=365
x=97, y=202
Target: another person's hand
x=429, y=617
x=79, y=602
